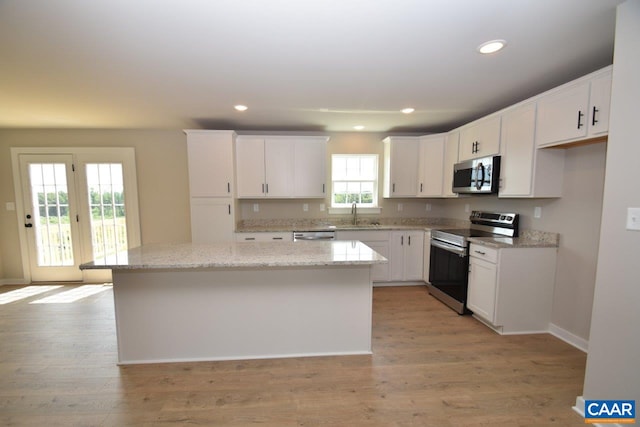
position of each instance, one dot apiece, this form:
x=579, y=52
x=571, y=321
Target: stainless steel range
x=449, y=260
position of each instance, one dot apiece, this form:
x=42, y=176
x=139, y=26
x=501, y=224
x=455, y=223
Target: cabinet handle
x=580, y=124
x=393, y=189
x=421, y=187
x=409, y=238
x=593, y=116
x=401, y=240
x=267, y=188
x=480, y=252
x=263, y=188
x=228, y=187
x=277, y=238
x=229, y=209
x=322, y=188
x=249, y=238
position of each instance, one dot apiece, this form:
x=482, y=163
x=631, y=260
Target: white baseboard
x=568, y=337
x=14, y=282
x=579, y=408
x=386, y=284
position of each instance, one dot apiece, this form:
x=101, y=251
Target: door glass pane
x=51, y=214
x=107, y=205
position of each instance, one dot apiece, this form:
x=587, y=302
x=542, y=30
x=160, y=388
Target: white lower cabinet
x=406, y=250
x=211, y=219
x=511, y=289
x=426, y=256
x=264, y=237
x=378, y=241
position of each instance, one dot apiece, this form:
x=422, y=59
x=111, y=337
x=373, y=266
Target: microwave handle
x=479, y=181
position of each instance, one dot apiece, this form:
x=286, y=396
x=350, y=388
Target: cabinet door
x=450, y=159
x=599, y=101
x=413, y=255
x=278, y=159
x=211, y=220
x=396, y=252
x=431, y=165
x=426, y=256
x=516, y=168
x=250, y=167
x=380, y=272
x=210, y=156
x=310, y=158
x=481, y=294
x=563, y=115
x=402, y=168
x=480, y=139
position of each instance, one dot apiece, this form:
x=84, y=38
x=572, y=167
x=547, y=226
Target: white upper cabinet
x=431, y=165
x=526, y=171
x=210, y=156
x=450, y=159
x=401, y=166
x=575, y=111
x=280, y=166
x=250, y=175
x=480, y=138
x=310, y=170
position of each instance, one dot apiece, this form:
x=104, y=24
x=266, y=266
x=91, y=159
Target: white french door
x=50, y=203
x=77, y=207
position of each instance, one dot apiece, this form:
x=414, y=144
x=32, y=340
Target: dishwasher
x=313, y=235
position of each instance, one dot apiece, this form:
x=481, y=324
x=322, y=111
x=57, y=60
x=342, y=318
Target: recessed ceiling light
x=491, y=46
x=408, y=110
x=241, y=107
x=358, y=127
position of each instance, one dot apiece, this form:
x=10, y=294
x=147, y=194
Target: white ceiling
x=323, y=65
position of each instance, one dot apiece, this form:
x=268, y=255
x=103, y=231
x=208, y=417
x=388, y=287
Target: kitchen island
x=228, y=301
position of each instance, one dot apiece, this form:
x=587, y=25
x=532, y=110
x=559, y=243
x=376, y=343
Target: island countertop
x=241, y=255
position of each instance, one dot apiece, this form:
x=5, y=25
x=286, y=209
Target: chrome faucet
x=354, y=212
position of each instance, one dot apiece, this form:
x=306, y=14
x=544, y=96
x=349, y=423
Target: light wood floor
x=430, y=367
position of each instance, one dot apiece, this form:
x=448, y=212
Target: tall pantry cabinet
x=211, y=184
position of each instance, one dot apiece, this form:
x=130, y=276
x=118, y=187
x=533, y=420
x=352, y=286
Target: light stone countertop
x=242, y=255
x=527, y=239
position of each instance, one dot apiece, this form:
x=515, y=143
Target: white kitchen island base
x=176, y=315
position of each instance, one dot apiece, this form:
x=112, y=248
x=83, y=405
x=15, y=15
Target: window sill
x=347, y=211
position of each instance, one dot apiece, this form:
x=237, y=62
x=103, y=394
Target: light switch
x=633, y=219
x=400, y=207
x=10, y=206
x=305, y=207
x=467, y=208
x=256, y=207
x=427, y=207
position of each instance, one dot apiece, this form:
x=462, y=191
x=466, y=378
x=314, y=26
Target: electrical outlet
x=427, y=207
x=256, y=207
x=633, y=219
x=305, y=207
x=467, y=208
x=537, y=212
x=322, y=207
x=10, y=206
x=400, y=207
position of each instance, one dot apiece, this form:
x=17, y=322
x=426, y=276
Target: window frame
x=340, y=207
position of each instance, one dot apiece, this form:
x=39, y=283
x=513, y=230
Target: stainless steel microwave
x=477, y=176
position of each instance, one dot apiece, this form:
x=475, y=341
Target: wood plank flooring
x=430, y=367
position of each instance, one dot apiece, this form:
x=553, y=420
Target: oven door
x=448, y=274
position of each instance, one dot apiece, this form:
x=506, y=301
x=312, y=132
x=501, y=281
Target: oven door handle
x=449, y=248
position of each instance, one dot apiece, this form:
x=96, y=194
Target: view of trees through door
x=75, y=210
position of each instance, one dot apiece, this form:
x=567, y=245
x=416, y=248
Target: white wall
x=614, y=347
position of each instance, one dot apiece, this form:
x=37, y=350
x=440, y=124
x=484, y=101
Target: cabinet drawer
x=366, y=235
x=264, y=237
x=483, y=252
